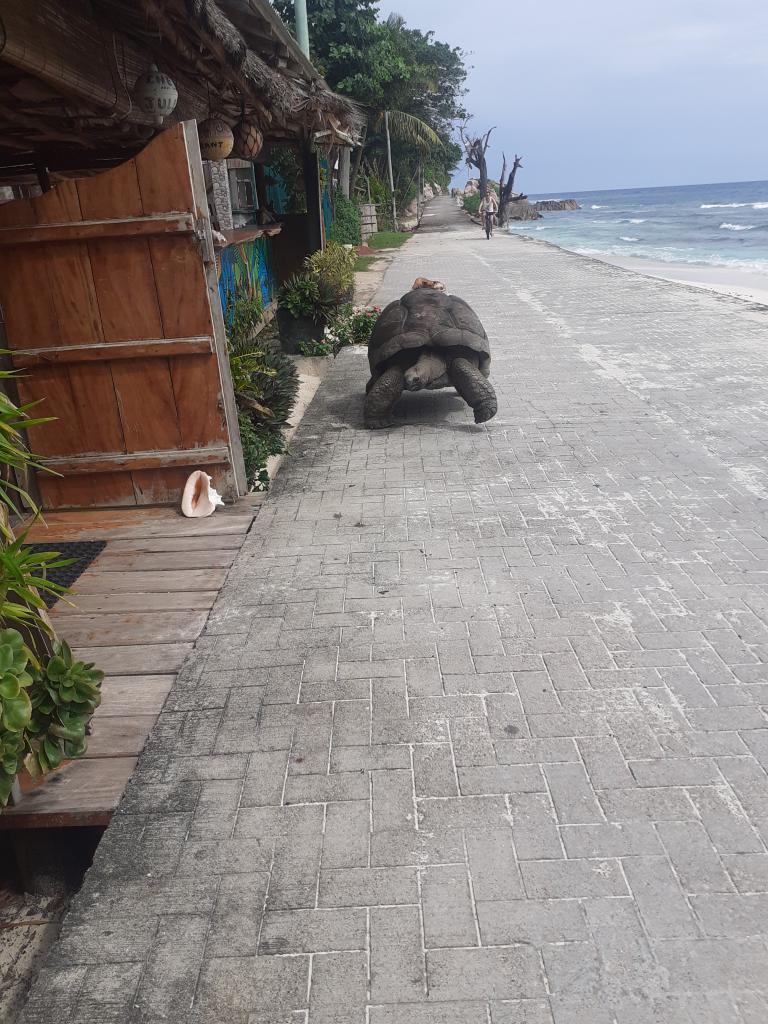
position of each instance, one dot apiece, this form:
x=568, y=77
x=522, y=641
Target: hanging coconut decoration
x=156, y=94
x=248, y=141
x=216, y=139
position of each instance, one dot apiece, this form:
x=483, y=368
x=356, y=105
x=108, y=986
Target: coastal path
x=476, y=732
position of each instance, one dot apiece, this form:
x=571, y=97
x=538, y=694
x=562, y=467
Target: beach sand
x=739, y=283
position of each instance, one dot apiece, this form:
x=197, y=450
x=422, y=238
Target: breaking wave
x=728, y=206
x=628, y=238
x=737, y=227
x=595, y=206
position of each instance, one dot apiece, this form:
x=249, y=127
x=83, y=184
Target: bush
x=315, y=348
x=266, y=384
x=46, y=697
x=472, y=204
x=277, y=385
x=259, y=441
x=327, y=281
x=353, y=325
x=245, y=315
x=345, y=228
x=334, y=270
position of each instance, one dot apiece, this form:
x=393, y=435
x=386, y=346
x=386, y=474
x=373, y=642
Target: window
x=242, y=187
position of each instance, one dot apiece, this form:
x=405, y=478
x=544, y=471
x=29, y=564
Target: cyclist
x=489, y=207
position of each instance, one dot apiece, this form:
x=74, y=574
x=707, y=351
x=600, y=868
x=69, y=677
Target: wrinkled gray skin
x=428, y=340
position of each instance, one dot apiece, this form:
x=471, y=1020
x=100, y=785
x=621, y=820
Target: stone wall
x=218, y=194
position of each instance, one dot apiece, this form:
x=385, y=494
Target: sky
x=611, y=93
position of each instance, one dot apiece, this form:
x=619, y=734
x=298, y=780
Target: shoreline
x=738, y=284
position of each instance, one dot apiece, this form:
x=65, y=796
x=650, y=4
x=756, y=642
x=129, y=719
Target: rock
x=556, y=204
x=521, y=209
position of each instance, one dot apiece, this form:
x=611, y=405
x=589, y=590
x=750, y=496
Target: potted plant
x=308, y=300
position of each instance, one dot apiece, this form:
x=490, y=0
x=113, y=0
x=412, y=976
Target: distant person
x=489, y=207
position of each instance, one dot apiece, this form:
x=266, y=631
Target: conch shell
x=199, y=498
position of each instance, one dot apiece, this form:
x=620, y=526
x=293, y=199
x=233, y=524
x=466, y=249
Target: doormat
x=82, y=551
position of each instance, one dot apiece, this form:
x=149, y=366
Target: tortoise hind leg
x=383, y=393
x=476, y=390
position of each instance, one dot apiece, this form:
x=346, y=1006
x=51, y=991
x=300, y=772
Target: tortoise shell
x=426, y=318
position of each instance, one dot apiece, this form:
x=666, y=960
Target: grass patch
x=388, y=239
x=364, y=262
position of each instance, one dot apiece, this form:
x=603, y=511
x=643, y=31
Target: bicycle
x=488, y=224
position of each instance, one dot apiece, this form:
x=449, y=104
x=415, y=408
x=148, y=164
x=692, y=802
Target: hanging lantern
x=216, y=139
x=156, y=94
x=248, y=141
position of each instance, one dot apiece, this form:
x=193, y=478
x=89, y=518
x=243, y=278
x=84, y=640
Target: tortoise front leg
x=381, y=398
x=476, y=390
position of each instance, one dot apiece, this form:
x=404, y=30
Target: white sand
x=740, y=283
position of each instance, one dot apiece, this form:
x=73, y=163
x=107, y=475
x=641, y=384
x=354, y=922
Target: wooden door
x=112, y=316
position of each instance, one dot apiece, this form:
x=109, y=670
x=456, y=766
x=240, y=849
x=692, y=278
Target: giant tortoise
x=428, y=340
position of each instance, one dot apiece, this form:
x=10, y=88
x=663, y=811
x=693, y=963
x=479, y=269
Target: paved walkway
x=476, y=731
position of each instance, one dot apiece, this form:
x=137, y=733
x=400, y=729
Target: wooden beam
x=85, y=230
x=103, y=351
x=112, y=462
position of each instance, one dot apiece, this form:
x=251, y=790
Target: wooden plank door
x=111, y=313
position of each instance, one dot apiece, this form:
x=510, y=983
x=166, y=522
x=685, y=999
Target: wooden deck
x=136, y=612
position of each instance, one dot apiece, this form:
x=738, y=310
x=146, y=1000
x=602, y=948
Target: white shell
x=156, y=94
x=199, y=498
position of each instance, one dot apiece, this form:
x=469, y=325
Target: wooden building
x=112, y=260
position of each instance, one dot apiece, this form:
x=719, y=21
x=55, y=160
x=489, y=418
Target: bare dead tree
x=506, y=188
x=475, y=150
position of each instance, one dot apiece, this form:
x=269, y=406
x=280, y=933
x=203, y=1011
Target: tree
x=506, y=189
x=386, y=66
x=475, y=149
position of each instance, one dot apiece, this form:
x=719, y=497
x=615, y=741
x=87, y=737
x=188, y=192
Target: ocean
x=720, y=225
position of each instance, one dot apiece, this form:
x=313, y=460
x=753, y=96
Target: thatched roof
x=66, y=76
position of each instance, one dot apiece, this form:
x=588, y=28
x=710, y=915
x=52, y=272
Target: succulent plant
x=15, y=706
x=65, y=694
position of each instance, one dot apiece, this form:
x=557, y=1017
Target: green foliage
x=315, y=348
x=300, y=296
x=45, y=708
x=15, y=456
x=259, y=441
x=352, y=325
x=384, y=65
x=346, y=220
x=472, y=203
x=333, y=268
x=245, y=316
x=27, y=662
x=278, y=384
x=15, y=707
x=266, y=384
x=388, y=239
x=65, y=694
x=22, y=579
x=327, y=280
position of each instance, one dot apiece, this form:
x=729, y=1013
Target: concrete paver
x=477, y=734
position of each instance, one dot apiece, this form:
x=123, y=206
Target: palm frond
x=411, y=129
